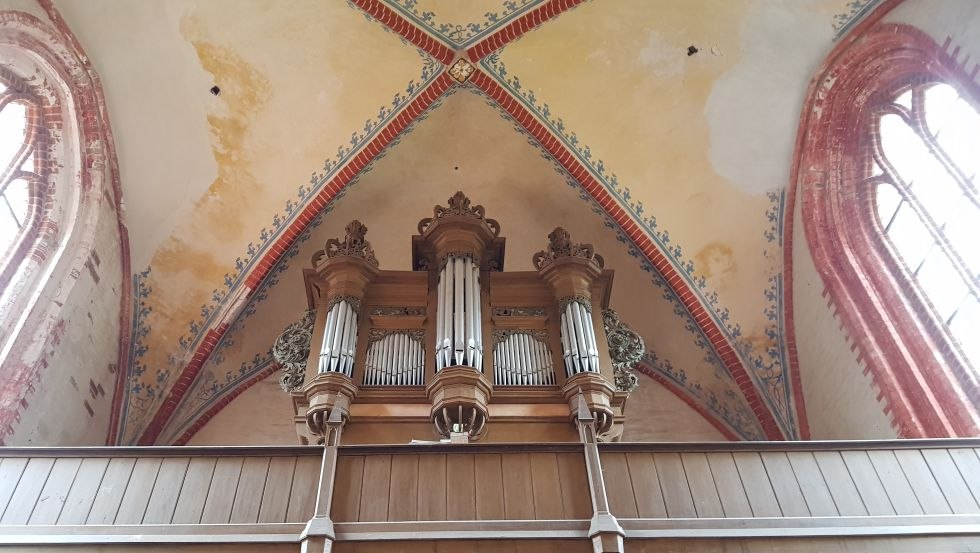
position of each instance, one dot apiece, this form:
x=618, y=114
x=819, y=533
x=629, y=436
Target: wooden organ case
x=456, y=348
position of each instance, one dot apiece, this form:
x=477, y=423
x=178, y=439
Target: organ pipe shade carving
x=291, y=350
x=395, y=358
x=459, y=331
x=578, y=341
x=339, y=338
x=522, y=358
x=626, y=348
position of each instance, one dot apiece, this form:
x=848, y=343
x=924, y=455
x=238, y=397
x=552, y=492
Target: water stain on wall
x=715, y=260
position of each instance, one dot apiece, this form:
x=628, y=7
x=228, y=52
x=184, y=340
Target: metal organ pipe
x=521, y=359
x=578, y=339
x=396, y=359
x=459, y=328
x=339, y=339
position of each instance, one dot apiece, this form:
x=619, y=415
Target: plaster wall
x=841, y=400
x=655, y=414
x=261, y=415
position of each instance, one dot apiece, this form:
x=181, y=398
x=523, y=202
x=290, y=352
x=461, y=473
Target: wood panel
x=731, y=492
x=11, y=469
x=969, y=466
x=251, y=486
x=840, y=483
x=950, y=481
x=489, y=487
x=460, y=487
x=194, y=492
x=868, y=483
x=674, y=485
x=518, y=500
x=221, y=494
x=923, y=483
x=755, y=480
x=137, y=495
x=374, y=488
x=55, y=491
x=575, y=496
x=703, y=488
x=306, y=479
x=785, y=485
x=403, y=495
x=432, y=487
x=619, y=484
x=896, y=485
x=111, y=491
x=347, y=488
x=278, y=487
x=28, y=491
x=818, y=499
x=82, y=494
x=546, y=486
x=645, y=481
x=167, y=489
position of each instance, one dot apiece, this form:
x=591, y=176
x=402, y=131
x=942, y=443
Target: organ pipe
x=581, y=353
x=339, y=339
x=395, y=359
x=522, y=359
x=459, y=338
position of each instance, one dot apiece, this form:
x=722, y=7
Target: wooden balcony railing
x=553, y=493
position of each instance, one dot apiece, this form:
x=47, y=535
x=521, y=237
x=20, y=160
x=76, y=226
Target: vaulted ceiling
x=662, y=132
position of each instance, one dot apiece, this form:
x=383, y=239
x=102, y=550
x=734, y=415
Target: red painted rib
x=274, y=253
x=639, y=237
x=516, y=28
x=407, y=30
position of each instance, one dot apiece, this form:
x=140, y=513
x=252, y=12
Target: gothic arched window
x=888, y=153
x=21, y=187
x=925, y=164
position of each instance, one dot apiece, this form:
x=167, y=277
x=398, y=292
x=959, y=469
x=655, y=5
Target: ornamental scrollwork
x=626, y=348
x=377, y=334
x=520, y=312
x=584, y=301
x=501, y=335
x=353, y=301
x=398, y=311
x=354, y=245
x=291, y=350
x=560, y=245
x=459, y=206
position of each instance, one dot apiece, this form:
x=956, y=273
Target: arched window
x=887, y=157
x=925, y=162
x=21, y=192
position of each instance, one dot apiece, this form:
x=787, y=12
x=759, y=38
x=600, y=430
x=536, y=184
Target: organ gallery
x=457, y=348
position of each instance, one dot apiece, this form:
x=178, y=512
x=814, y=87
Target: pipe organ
x=399, y=355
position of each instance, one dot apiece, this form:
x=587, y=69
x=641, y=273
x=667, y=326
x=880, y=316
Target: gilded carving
x=398, y=311
x=585, y=301
x=560, y=245
x=459, y=206
x=520, y=312
x=291, y=350
x=501, y=335
x=626, y=348
x=354, y=245
x=353, y=301
x=375, y=334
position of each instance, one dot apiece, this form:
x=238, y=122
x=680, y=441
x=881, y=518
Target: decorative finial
x=560, y=245
x=354, y=245
x=459, y=206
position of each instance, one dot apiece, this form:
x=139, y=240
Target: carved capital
x=354, y=245
x=626, y=348
x=560, y=245
x=291, y=350
x=459, y=206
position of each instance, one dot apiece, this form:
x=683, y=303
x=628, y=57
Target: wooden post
x=318, y=536
x=604, y=531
